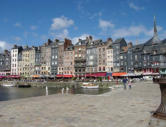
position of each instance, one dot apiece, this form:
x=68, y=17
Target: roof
x=81, y=42
x=137, y=48
x=118, y=40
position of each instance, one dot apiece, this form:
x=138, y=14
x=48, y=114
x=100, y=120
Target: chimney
x=109, y=40
x=87, y=39
x=90, y=38
x=67, y=43
x=49, y=41
x=56, y=40
x=15, y=46
x=79, y=40
x=130, y=44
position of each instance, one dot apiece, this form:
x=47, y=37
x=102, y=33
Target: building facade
x=5, y=63
x=62, y=46
x=80, y=58
x=54, y=58
x=15, y=56
x=45, y=68
x=109, y=67
x=68, y=62
x=118, y=46
x=91, y=56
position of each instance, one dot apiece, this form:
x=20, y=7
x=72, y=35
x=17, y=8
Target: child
x=129, y=83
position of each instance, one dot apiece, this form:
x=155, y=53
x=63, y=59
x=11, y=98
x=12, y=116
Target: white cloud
x=135, y=7
x=34, y=34
x=61, y=23
x=134, y=31
x=33, y=27
x=43, y=37
x=104, y=25
x=60, y=35
x=17, y=24
x=163, y=35
x=83, y=36
x=17, y=38
x=4, y=45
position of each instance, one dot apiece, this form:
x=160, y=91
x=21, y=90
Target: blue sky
x=32, y=22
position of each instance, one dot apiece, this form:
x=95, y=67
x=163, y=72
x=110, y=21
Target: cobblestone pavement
x=118, y=108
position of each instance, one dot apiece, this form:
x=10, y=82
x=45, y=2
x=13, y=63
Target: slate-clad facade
x=5, y=65
x=118, y=49
x=80, y=58
x=91, y=55
x=54, y=58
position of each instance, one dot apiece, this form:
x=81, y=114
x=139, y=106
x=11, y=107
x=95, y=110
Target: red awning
x=65, y=76
x=68, y=76
x=119, y=73
x=99, y=74
x=13, y=76
x=1, y=77
x=59, y=75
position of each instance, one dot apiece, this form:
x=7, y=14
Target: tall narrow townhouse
x=5, y=64
x=80, y=58
x=54, y=58
x=46, y=58
x=27, y=61
x=15, y=55
x=62, y=46
x=109, y=56
x=118, y=45
x=102, y=55
x=91, y=56
x=68, y=62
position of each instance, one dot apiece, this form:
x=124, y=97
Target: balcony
x=80, y=65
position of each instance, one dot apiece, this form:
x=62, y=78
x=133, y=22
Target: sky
x=32, y=22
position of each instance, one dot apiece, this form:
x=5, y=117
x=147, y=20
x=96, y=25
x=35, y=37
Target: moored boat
x=89, y=85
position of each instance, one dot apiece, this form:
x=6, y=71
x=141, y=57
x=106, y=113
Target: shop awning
x=65, y=76
x=68, y=76
x=59, y=75
x=119, y=73
x=99, y=74
x=150, y=74
x=13, y=76
x=35, y=76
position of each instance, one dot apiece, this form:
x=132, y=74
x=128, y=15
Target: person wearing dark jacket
x=124, y=83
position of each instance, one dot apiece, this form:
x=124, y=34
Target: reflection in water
x=46, y=90
x=10, y=93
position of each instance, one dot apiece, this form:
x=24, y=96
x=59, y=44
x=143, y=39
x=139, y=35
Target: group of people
x=125, y=81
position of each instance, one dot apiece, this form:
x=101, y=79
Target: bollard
x=158, y=118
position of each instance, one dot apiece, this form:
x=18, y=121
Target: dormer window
x=155, y=52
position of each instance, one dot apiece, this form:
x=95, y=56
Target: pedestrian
x=129, y=83
x=124, y=82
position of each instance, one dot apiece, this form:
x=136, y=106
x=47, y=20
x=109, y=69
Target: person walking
x=124, y=83
x=129, y=83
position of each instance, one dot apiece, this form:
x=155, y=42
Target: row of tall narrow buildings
x=56, y=58
x=86, y=58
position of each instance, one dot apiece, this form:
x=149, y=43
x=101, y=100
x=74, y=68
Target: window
x=136, y=57
x=91, y=57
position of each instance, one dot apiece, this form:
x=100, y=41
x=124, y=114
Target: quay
x=118, y=108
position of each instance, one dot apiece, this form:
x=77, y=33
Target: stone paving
x=118, y=108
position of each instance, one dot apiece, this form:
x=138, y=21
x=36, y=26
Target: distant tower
x=137, y=42
x=155, y=35
x=155, y=27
